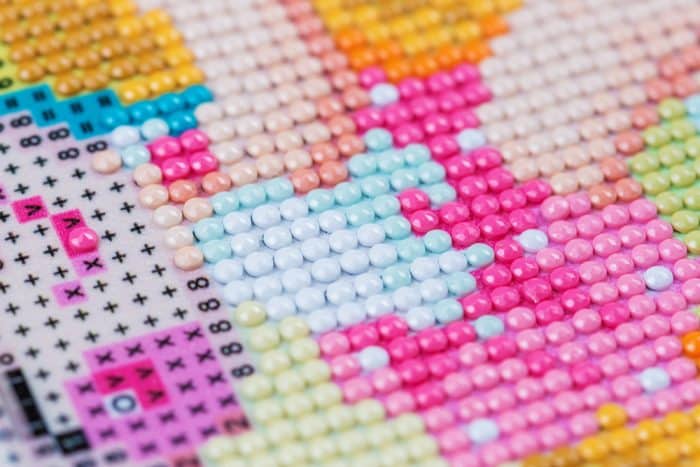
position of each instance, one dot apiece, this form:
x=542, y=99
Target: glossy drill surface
x=349, y=232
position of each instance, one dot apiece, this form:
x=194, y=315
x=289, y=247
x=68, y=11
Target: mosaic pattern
x=150, y=393
x=340, y=232
x=666, y=169
x=87, y=45
x=556, y=124
x=414, y=38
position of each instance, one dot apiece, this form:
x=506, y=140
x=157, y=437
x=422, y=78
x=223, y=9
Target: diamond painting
x=385, y=233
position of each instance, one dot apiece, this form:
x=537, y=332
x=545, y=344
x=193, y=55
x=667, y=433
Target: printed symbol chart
x=349, y=232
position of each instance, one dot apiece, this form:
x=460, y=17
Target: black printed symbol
x=118, y=187
x=33, y=140
x=137, y=228
x=97, y=214
x=41, y=301
x=138, y=425
x=197, y=409
x=70, y=222
x=179, y=439
x=205, y=356
x=32, y=210
x=114, y=380
x=107, y=433
x=216, y=378
x=88, y=194
x=121, y=329
x=81, y=314
x=148, y=448
x=169, y=291
x=150, y=320
x=21, y=258
x=76, y=107
x=139, y=298
x=226, y=401
x=105, y=357
x=144, y=372
x=72, y=441
x=187, y=386
x=19, y=122
x=195, y=333
x=123, y=403
x=166, y=341
x=96, y=410
x=75, y=292
x=135, y=350
x=86, y=388
x=167, y=417
x=116, y=456
x=104, y=100
x=129, y=277
x=86, y=127
x=48, y=114
x=154, y=395
x=235, y=425
x=11, y=237
x=39, y=96
x=92, y=264
x=175, y=364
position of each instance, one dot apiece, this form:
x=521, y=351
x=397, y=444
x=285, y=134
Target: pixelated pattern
x=74, y=282
x=447, y=233
x=87, y=46
x=666, y=166
x=559, y=103
x=95, y=114
x=414, y=38
x=291, y=119
x=161, y=393
x=29, y=209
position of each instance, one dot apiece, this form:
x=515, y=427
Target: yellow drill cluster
x=413, y=37
x=671, y=441
x=86, y=45
x=298, y=413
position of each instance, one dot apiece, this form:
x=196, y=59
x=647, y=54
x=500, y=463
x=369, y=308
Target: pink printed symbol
x=29, y=209
x=140, y=376
x=69, y=293
x=88, y=264
x=159, y=394
x=65, y=223
x=83, y=239
x=122, y=404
